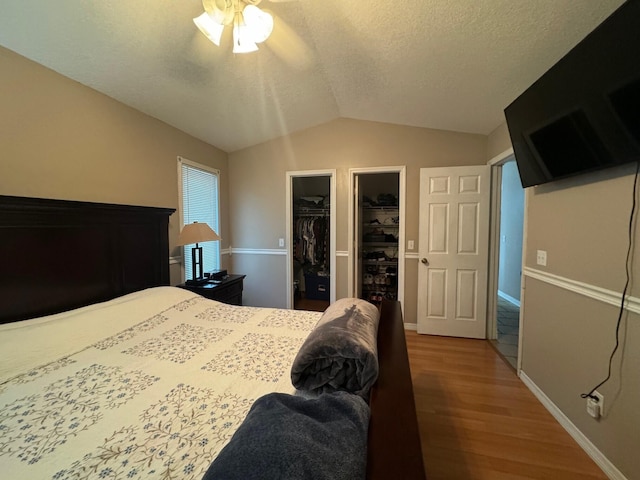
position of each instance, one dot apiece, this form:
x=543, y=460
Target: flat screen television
x=584, y=113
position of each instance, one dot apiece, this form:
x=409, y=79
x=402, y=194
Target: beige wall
x=258, y=176
x=63, y=140
x=567, y=342
x=582, y=223
x=498, y=141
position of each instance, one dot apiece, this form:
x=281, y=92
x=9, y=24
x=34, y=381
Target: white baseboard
x=509, y=298
x=411, y=326
x=596, y=455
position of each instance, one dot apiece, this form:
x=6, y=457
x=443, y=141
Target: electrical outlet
x=595, y=408
x=541, y=257
x=600, y=401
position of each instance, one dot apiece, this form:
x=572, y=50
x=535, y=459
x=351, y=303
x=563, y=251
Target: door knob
x=425, y=261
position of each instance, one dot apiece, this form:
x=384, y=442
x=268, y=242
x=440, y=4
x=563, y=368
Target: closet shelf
x=381, y=262
x=379, y=236
x=376, y=288
x=312, y=213
x=383, y=208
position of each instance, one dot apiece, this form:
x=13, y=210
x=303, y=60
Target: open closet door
x=357, y=244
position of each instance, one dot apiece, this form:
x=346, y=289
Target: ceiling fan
x=251, y=25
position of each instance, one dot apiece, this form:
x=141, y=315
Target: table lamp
x=195, y=233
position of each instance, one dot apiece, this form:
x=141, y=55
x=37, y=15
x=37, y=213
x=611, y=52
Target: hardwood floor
x=479, y=421
x=309, y=304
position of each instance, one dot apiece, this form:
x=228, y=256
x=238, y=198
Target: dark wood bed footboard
x=394, y=450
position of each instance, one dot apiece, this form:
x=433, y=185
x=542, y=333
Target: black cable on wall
x=628, y=270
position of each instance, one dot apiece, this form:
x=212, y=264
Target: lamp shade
x=196, y=233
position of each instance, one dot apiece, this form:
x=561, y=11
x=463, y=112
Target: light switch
x=281, y=242
x=541, y=257
x=410, y=245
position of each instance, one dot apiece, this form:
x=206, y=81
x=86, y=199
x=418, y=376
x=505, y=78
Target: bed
x=85, y=385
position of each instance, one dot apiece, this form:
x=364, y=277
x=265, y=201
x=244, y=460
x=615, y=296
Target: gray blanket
x=285, y=437
x=341, y=353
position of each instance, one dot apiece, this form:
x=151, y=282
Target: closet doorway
x=310, y=239
x=376, y=233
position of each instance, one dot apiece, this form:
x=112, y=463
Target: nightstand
x=228, y=290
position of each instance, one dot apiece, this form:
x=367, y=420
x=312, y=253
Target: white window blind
x=199, y=185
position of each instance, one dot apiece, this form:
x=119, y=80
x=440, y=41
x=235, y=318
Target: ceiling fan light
x=243, y=41
x=210, y=28
x=260, y=23
x=221, y=11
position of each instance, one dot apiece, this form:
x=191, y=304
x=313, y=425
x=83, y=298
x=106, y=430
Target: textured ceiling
x=446, y=64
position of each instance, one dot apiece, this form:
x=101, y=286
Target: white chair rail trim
x=178, y=259
x=258, y=251
x=611, y=297
x=278, y=251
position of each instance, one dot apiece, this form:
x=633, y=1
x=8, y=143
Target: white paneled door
x=454, y=251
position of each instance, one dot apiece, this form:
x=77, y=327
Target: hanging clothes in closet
x=310, y=246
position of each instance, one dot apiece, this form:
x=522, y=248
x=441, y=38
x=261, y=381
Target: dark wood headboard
x=59, y=254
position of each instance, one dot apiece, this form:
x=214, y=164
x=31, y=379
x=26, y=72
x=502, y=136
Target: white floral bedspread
x=156, y=400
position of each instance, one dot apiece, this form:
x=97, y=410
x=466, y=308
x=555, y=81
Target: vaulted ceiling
x=445, y=64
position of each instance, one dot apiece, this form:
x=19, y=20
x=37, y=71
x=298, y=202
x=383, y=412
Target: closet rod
x=312, y=214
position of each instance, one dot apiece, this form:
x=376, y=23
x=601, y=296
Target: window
x=198, y=190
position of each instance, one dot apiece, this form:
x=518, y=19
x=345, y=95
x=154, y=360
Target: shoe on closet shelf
x=379, y=256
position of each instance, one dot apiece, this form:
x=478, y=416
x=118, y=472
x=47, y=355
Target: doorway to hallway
x=508, y=324
x=506, y=338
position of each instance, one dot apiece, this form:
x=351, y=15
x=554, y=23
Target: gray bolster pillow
x=341, y=353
